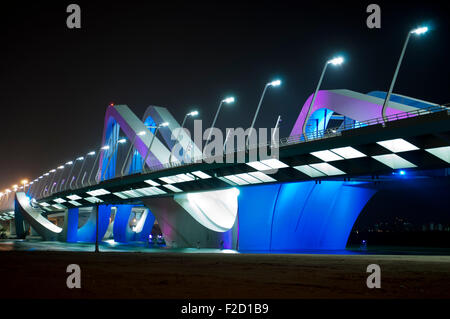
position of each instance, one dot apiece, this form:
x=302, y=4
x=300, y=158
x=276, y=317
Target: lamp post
x=227, y=100
x=417, y=31
x=141, y=133
x=270, y=84
x=103, y=148
x=70, y=163
x=151, y=143
x=81, y=158
x=190, y=114
x=335, y=61
x=115, y=149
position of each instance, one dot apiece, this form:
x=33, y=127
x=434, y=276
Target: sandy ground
x=175, y=275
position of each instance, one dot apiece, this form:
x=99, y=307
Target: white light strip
x=441, y=152
x=98, y=192
x=159, y=191
x=93, y=200
x=393, y=161
x=58, y=206
x=74, y=203
x=259, y=166
x=43, y=204
x=327, y=169
x=398, y=145
x=120, y=195
x=173, y=188
x=226, y=180
x=262, y=177
x=149, y=181
x=348, y=152
x=73, y=197
x=308, y=170
x=274, y=163
x=59, y=200
x=236, y=180
x=201, y=175
x=248, y=178
x=167, y=180
x=184, y=177
x=327, y=156
x=131, y=193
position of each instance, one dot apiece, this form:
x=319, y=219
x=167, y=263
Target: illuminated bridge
x=308, y=196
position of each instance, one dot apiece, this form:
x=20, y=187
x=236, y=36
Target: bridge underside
x=289, y=216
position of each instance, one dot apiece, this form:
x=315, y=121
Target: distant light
x=122, y=140
x=402, y=172
x=46, y=174
x=193, y=113
x=24, y=181
x=336, y=61
x=141, y=133
x=61, y=167
x=106, y=147
x=80, y=158
x=52, y=171
x=164, y=124
x=275, y=83
x=15, y=186
x=228, y=100
x=91, y=153
x=69, y=163
x=111, y=104
x=420, y=30
x=7, y=191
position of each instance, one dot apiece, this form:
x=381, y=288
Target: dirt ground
x=179, y=276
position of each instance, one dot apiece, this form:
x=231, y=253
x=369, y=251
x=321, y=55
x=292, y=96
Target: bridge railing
x=90, y=174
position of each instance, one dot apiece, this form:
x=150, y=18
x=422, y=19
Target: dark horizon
x=56, y=82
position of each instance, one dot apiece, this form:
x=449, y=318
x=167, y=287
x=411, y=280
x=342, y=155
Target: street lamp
x=190, y=114
x=417, y=31
x=115, y=149
x=270, y=84
x=335, y=61
x=227, y=100
x=151, y=143
x=141, y=133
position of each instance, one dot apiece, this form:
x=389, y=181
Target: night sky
x=55, y=82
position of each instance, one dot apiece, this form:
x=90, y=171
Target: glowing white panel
x=120, y=195
x=398, y=145
x=58, y=206
x=173, y=188
x=274, y=163
x=393, y=161
x=74, y=203
x=441, y=152
x=348, y=152
x=201, y=174
x=327, y=156
x=248, y=178
x=167, y=180
x=236, y=180
x=327, y=169
x=43, y=204
x=147, y=191
x=98, y=192
x=59, y=200
x=308, y=170
x=93, y=200
x=259, y=166
x=184, y=177
x=262, y=177
x=226, y=180
x=73, y=197
x=131, y=193
x=149, y=181
x=159, y=191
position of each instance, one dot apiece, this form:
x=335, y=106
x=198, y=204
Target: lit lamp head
x=275, y=83
x=336, y=61
x=164, y=124
x=141, y=133
x=61, y=167
x=106, y=147
x=80, y=158
x=228, y=100
x=420, y=30
x=193, y=113
x=69, y=163
x=91, y=153
x=122, y=140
